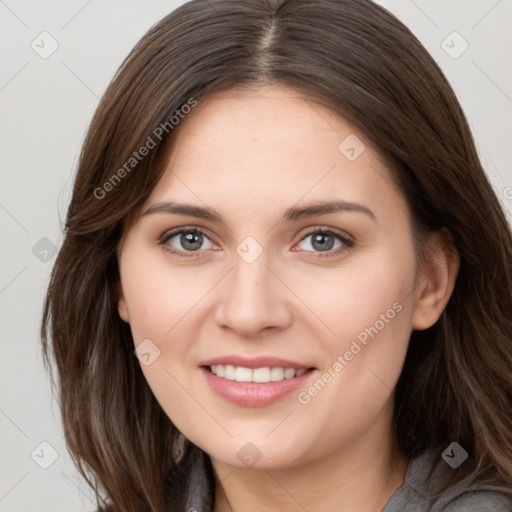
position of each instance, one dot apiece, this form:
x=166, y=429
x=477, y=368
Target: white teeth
x=289, y=373
x=243, y=374
x=229, y=372
x=266, y=374
x=261, y=375
x=276, y=374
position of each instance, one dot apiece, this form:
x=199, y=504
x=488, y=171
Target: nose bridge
x=249, y=279
x=249, y=287
x=251, y=299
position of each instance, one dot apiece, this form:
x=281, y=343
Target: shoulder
x=480, y=501
x=427, y=488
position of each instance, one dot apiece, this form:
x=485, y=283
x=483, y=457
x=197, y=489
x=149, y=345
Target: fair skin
x=249, y=155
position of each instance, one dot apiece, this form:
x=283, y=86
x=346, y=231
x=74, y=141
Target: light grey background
x=46, y=105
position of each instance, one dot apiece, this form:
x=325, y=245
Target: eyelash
x=347, y=242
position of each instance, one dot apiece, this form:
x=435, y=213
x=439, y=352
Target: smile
x=255, y=387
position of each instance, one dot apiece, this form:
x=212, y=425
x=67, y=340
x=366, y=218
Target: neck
x=358, y=478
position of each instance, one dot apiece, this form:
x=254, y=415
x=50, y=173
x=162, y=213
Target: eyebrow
x=184, y=209
x=291, y=214
x=295, y=213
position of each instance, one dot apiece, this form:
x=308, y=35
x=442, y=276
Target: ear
x=121, y=304
x=436, y=280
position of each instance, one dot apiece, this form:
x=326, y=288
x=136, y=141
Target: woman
x=280, y=210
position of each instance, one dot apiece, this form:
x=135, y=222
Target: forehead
x=273, y=146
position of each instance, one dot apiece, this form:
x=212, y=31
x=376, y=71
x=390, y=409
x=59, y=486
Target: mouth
x=255, y=387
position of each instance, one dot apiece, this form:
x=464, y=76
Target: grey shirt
x=420, y=494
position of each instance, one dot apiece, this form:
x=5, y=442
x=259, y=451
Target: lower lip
x=253, y=394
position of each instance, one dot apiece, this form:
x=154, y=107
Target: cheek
x=369, y=297
x=160, y=296
x=368, y=305
x=166, y=306
x=363, y=360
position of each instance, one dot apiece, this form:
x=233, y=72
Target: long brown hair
x=360, y=61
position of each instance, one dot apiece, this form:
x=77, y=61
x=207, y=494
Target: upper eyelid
x=334, y=231
x=342, y=235
x=170, y=233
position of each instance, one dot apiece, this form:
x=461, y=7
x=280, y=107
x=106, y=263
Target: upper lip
x=254, y=362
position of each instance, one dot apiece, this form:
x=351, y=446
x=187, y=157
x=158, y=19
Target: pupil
x=191, y=241
x=322, y=242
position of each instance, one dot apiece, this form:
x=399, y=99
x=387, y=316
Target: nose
x=253, y=300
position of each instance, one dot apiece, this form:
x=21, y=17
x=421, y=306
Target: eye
x=187, y=240
x=324, y=241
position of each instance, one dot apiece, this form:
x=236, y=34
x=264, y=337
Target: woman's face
x=275, y=239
